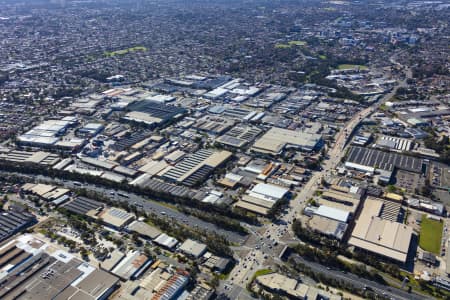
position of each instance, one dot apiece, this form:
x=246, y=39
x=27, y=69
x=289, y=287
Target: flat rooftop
x=276, y=139
x=384, y=160
x=380, y=236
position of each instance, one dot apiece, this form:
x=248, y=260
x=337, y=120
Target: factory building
x=375, y=234
x=29, y=272
x=196, y=167
x=276, y=140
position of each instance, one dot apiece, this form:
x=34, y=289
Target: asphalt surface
x=148, y=206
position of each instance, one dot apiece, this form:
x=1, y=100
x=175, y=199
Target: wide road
x=144, y=204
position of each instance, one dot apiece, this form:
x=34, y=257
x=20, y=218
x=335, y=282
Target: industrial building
x=196, y=167
x=112, y=260
x=116, y=218
x=427, y=205
x=113, y=217
x=231, y=180
x=285, y=286
x=143, y=229
x=201, y=292
x=394, y=143
x=84, y=206
x=48, y=134
x=90, y=129
x=36, y=157
x=132, y=265
x=163, y=284
x=329, y=227
x=239, y=136
x=126, y=141
x=12, y=222
x=88, y=105
x=166, y=241
x=161, y=98
x=192, y=248
x=29, y=272
x=239, y=114
x=154, y=167
x=339, y=200
x=369, y=160
x=268, y=191
x=262, y=198
x=383, y=237
x=276, y=140
x=213, y=124
x=175, y=157
x=44, y=135
x=159, y=186
x=152, y=113
x=216, y=263
x=45, y=191
x=332, y=213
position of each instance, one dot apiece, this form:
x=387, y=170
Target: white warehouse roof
x=166, y=241
x=270, y=190
x=194, y=248
x=333, y=213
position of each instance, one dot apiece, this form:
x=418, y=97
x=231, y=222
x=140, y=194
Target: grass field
x=430, y=235
x=348, y=66
x=282, y=46
x=290, y=44
x=297, y=43
x=125, y=51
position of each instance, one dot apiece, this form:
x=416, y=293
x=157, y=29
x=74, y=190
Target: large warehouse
x=371, y=160
x=48, y=135
x=152, y=113
x=239, y=136
x=381, y=236
x=30, y=272
x=262, y=198
x=278, y=139
x=196, y=167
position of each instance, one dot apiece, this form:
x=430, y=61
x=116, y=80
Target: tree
x=83, y=252
x=391, y=188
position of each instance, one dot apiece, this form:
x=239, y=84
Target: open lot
x=347, y=66
x=431, y=235
x=290, y=44
x=125, y=51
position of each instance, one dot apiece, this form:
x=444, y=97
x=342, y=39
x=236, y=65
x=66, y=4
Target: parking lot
x=408, y=181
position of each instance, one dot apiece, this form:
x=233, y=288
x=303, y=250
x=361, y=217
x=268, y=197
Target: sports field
x=348, y=66
x=430, y=235
x=125, y=51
